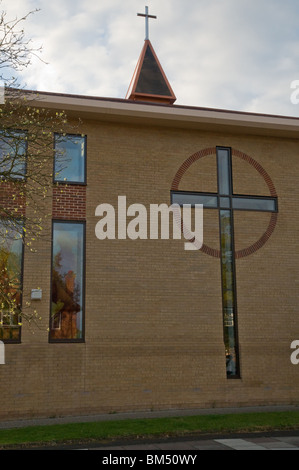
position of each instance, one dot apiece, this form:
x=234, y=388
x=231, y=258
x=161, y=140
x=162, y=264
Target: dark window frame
x=19, y=340
x=70, y=182
x=69, y=340
x=237, y=374
x=231, y=197
x=25, y=133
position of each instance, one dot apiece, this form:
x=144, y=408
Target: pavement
x=265, y=441
x=284, y=440
x=142, y=415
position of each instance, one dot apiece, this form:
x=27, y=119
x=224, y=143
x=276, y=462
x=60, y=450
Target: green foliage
x=146, y=428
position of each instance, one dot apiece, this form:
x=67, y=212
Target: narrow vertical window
x=67, y=306
x=11, y=264
x=228, y=293
x=225, y=192
x=70, y=158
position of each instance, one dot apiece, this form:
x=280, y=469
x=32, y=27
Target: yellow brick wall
x=153, y=326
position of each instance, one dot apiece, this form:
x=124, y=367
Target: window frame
x=228, y=193
x=19, y=340
x=70, y=182
x=25, y=140
x=69, y=340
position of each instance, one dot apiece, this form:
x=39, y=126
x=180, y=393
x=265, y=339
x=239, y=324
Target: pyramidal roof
x=149, y=82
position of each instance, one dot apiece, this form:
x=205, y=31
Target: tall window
x=11, y=263
x=70, y=158
x=13, y=147
x=67, y=307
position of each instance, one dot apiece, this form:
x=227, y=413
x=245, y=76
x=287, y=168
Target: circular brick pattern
x=273, y=220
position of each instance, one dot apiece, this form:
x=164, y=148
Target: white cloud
x=229, y=54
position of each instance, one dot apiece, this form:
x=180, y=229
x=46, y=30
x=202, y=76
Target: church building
x=137, y=318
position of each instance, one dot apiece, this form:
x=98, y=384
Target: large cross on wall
x=226, y=202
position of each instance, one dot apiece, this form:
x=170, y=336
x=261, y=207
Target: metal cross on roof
x=147, y=16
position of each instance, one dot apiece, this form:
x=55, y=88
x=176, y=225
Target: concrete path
x=141, y=415
x=284, y=442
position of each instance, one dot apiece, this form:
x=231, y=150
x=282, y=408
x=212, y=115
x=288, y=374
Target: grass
x=147, y=428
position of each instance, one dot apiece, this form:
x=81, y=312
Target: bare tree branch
x=26, y=167
x=16, y=51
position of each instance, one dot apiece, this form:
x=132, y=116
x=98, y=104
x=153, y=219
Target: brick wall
x=153, y=326
x=69, y=202
x=12, y=198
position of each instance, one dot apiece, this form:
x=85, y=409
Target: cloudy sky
x=229, y=54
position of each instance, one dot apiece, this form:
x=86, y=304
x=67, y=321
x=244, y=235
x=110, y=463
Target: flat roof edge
x=179, y=115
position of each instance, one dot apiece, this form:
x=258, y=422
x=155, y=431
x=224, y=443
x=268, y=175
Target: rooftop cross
x=147, y=16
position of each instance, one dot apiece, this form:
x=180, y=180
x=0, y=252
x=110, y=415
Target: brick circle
x=273, y=220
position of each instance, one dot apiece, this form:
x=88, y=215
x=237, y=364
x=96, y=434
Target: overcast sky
x=229, y=54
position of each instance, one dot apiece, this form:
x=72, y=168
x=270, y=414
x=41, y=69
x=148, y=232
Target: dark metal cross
x=147, y=16
x=226, y=202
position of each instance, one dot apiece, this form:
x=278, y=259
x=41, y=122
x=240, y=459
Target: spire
x=149, y=82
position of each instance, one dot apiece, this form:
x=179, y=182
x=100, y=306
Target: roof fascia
x=170, y=116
